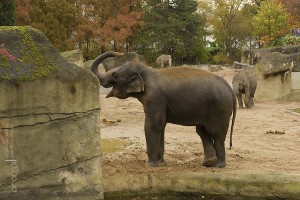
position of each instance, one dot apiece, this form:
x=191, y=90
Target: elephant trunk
x=235, y=88
x=98, y=60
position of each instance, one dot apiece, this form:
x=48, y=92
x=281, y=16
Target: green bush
x=221, y=58
x=289, y=40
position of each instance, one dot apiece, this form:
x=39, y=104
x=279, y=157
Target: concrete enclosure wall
x=49, y=134
x=273, y=87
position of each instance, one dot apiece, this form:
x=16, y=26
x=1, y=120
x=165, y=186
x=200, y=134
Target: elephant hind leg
x=251, y=98
x=218, y=130
x=251, y=102
x=220, y=149
x=210, y=158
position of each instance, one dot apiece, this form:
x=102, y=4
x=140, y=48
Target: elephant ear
x=136, y=84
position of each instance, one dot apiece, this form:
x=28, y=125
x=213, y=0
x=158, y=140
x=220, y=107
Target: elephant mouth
x=110, y=94
x=115, y=93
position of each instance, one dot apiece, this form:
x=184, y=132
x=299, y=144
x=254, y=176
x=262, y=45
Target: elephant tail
x=233, y=117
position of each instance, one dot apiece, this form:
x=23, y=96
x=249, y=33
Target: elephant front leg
x=154, y=132
x=161, y=151
x=252, y=100
x=162, y=65
x=240, y=100
x=247, y=98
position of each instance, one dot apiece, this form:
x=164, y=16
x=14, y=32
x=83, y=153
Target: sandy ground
x=266, y=138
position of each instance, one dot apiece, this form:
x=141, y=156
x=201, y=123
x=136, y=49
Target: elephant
x=244, y=82
x=181, y=95
x=164, y=60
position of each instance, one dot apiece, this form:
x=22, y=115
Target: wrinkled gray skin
x=244, y=82
x=180, y=95
x=163, y=61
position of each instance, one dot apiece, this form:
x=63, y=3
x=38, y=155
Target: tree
x=106, y=24
x=86, y=28
x=173, y=27
x=7, y=13
x=293, y=8
x=232, y=28
x=22, y=12
x=55, y=18
x=123, y=23
x=258, y=2
x=271, y=22
x=89, y=24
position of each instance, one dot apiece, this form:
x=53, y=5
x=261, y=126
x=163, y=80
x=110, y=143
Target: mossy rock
x=74, y=56
x=29, y=55
x=49, y=110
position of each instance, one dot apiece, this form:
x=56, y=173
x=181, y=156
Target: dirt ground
x=266, y=138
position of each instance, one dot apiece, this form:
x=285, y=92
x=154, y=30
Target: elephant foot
x=210, y=162
x=241, y=107
x=221, y=164
x=248, y=106
x=160, y=163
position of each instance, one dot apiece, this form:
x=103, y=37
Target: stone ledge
x=242, y=184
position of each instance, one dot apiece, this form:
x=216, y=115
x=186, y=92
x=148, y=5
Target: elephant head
x=125, y=80
x=244, y=82
x=238, y=85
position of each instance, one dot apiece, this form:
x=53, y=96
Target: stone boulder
x=277, y=77
x=276, y=63
x=88, y=64
x=254, y=56
x=113, y=62
x=74, y=56
x=49, y=121
x=291, y=49
x=238, y=65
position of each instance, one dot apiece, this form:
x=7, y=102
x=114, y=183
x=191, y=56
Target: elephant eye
x=114, y=76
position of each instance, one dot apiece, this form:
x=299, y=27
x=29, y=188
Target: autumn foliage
x=293, y=8
x=154, y=27
x=87, y=24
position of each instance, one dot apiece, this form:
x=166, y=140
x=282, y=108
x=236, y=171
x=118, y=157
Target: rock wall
x=295, y=86
x=49, y=122
x=88, y=64
x=74, y=56
x=274, y=87
x=276, y=77
x=254, y=56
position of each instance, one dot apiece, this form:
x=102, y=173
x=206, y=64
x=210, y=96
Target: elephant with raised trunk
x=181, y=95
x=244, y=82
x=164, y=60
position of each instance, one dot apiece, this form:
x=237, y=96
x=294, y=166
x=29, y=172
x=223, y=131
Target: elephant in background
x=181, y=95
x=163, y=61
x=244, y=82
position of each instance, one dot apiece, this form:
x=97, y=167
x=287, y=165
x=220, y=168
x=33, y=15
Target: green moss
x=4, y=62
x=297, y=110
x=31, y=62
x=5, y=77
x=113, y=145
